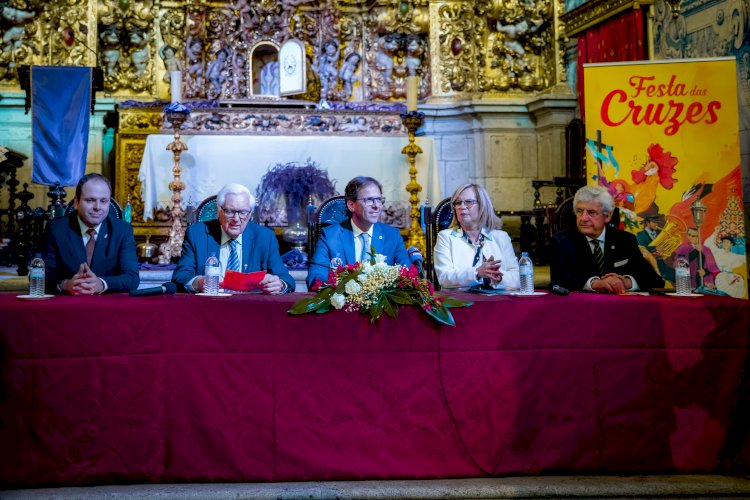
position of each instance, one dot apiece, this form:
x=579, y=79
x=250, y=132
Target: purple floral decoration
x=297, y=183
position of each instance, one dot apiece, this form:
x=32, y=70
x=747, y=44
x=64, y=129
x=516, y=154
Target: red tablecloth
x=186, y=388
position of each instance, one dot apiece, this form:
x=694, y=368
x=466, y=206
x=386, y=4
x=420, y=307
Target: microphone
x=416, y=259
x=558, y=290
x=167, y=288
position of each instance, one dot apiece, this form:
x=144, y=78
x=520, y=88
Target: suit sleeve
x=563, y=266
x=187, y=267
x=51, y=258
x=275, y=265
x=320, y=262
x=400, y=255
x=127, y=263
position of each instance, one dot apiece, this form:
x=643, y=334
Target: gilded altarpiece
x=358, y=56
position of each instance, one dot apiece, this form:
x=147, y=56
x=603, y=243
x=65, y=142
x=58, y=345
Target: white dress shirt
x=86, y=237
x=358, y=241
x=454, y=256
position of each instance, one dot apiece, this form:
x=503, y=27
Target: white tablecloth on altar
x=214, y=160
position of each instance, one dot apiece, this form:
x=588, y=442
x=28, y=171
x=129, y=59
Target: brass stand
x=173, y=246
x=412, y=121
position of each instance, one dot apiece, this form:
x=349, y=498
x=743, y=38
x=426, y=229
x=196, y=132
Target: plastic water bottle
x=526, y=270
x=36, y=276
x=213, y=270
x=682, y=276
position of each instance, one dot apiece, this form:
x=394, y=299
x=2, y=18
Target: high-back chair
x=439, y=219
x=205, y=211
x=114, y=209
x=331, y=211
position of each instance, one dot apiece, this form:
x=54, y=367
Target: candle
x=411, y=93
x=175, y=88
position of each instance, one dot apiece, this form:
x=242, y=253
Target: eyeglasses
x=242, y=214
x=464, y=203
x=372, y=201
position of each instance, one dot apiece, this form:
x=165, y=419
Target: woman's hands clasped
x=490, y=268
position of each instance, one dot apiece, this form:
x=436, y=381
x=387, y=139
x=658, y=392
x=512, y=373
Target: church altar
x=214, y=160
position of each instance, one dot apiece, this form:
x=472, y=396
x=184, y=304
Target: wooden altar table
x=111, y=389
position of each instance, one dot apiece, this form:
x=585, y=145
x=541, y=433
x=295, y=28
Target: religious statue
x=414, y=55
x=171, y=62
x=194, y=52
x=140, y=53
x=110, y=53
x=215, y=72
x=348, y=73
x=387, y=47
x=327, y=67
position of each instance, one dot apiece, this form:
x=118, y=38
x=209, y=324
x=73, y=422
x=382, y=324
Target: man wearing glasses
x=595, y=257
x=239, y=244
x=355, y=239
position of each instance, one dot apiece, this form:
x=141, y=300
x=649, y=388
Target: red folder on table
x=242, y=282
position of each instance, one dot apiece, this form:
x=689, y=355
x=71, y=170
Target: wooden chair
x=436, y=220
x=115, y=210
x=331, y=211
x=205, y=211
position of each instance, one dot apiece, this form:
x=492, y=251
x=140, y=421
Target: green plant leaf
x=442, y=315
x=313, y=304
x=401, y=297
x=391, y=309
x=453, y=302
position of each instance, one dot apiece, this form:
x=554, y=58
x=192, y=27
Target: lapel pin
x=106, y=235
x=380, y=237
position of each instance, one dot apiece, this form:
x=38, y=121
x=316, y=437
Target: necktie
x=233, y=264
x=90, y=245
x=365, y=237
x=598, y=256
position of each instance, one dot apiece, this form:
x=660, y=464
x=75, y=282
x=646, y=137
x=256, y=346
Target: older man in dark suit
x=239, y=244
x=88, y=252
x=594, y=257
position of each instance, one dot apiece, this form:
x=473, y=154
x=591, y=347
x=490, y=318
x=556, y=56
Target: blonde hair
x=487, y=217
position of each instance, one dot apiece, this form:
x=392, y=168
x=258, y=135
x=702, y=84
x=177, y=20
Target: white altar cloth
x=214, y=160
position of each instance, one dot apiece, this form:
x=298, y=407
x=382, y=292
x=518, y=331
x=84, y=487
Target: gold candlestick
x=173, y=246
x=412, y=121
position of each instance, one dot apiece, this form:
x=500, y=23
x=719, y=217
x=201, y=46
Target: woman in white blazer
x=474, y=250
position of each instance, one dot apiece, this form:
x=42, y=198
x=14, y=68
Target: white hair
x=235, y=189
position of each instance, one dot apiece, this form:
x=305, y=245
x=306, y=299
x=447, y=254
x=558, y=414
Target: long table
x=183, y=388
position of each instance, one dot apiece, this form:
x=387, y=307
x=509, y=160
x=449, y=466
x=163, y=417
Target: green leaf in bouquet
x=401, y=297
x=453, y=302
x=391, y=309
x=442, y=315
x=313, y=304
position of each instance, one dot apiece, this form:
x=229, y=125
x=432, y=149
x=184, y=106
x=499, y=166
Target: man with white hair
x=595, y=257
x=239, y=244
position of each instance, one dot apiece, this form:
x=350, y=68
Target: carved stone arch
x=264, y=69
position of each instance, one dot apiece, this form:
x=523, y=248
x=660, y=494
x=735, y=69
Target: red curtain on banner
x=620, y=38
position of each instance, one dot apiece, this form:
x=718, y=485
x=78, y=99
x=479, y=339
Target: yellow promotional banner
x=663, y=138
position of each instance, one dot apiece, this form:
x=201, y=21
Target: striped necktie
x=365, y=237
x=233, y=264
x=598, y=256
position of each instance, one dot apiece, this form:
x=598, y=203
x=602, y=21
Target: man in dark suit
x=88, y=252
x=237, y=243
x=354, y=239
x=594, y=257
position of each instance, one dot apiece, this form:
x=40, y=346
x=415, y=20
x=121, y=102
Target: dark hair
x=91, y=177
x=352, y=188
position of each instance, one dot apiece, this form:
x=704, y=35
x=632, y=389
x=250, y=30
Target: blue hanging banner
x=60, y=104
